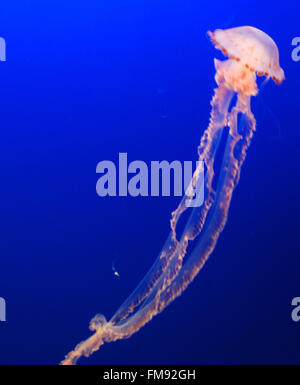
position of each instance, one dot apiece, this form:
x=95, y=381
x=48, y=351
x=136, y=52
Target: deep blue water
x=84, y=81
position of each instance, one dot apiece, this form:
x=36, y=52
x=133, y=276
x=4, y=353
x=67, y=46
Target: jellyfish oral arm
x=169, y=276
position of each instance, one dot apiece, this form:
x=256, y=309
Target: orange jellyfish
x=249, y=52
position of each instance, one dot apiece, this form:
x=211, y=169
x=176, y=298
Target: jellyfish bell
x=250, y=52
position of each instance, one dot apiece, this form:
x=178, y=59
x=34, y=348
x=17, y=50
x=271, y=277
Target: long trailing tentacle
x=171, y=286
x=169, y=263
x=172, y=248
x=237, y=143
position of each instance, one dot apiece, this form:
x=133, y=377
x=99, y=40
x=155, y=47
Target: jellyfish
x=249, y=52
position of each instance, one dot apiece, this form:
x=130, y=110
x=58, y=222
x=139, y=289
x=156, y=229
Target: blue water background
x=84, y=81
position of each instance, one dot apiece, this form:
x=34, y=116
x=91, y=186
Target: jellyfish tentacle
x=207, y=151
x=197, y=219
x=170, y=253
x=218, y=215
x=148, y=283
x=172, y=288
x=175, y=276
x=169, y=263
x=215, y=222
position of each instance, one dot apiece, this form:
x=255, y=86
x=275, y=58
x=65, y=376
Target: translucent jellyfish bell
x=249, y=51
x=252, y=48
